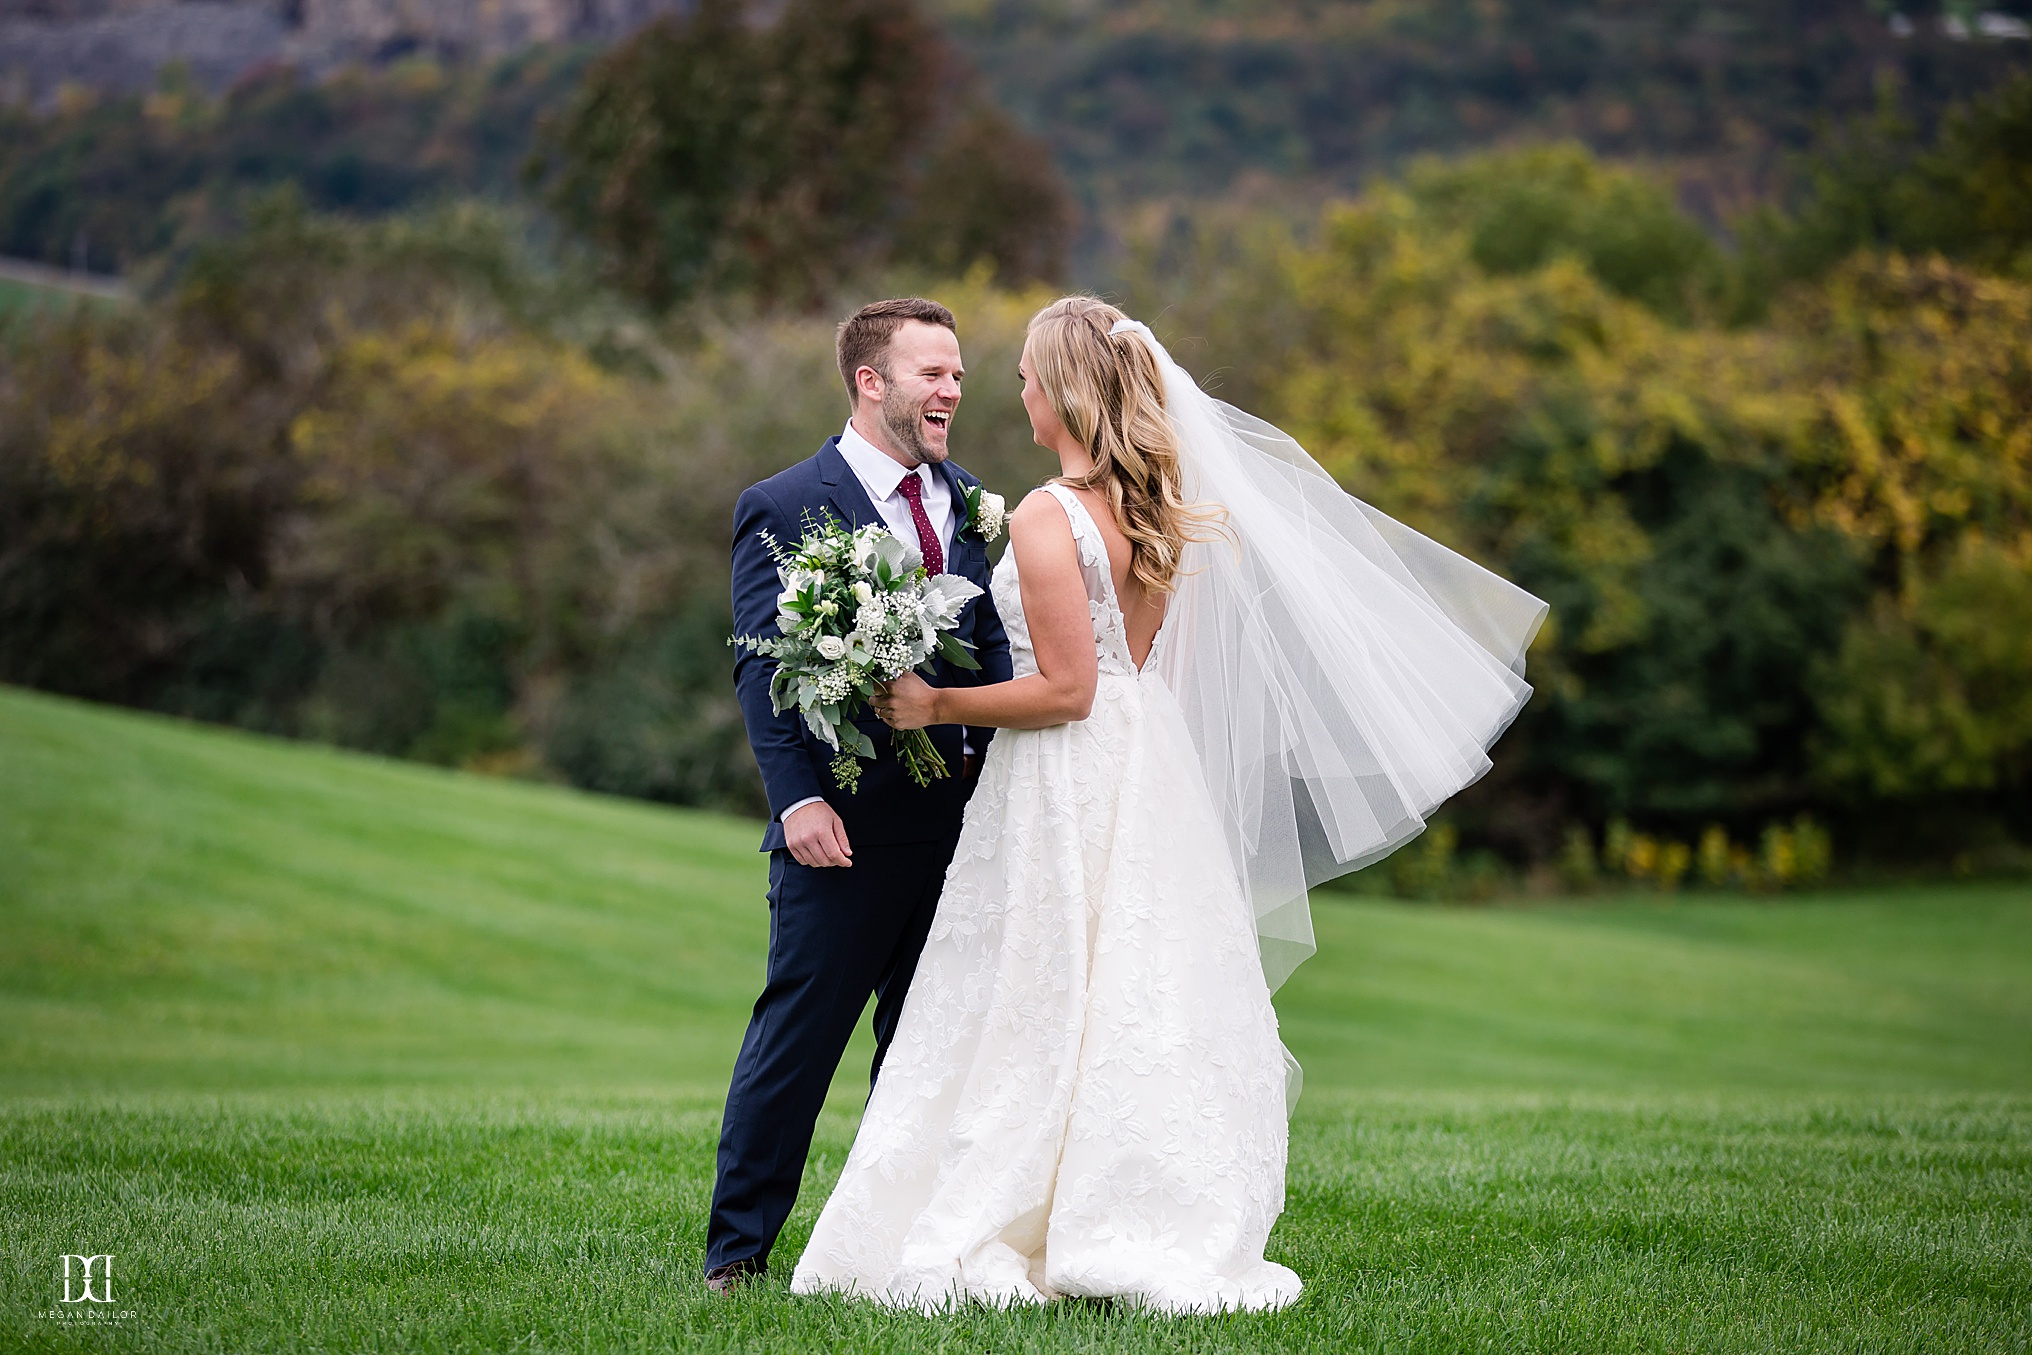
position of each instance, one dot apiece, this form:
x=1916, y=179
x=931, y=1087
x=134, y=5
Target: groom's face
x=918, y=397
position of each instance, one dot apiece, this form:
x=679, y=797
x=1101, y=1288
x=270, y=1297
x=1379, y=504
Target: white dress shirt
x=881, y=474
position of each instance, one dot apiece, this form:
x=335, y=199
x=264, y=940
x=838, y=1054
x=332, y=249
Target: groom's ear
x=868, y=384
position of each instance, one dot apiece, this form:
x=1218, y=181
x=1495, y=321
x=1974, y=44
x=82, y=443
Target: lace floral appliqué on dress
x=1085, y=1095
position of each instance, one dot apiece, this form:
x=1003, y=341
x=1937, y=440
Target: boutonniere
x=986, y=513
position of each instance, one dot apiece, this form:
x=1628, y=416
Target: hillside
x=377, y=105
x=1185, y=98
x=195, y=908
x=198, y=908
x=123, y=44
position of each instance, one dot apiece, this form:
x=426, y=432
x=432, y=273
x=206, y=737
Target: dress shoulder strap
x=1111, y=636
x=1093, y=549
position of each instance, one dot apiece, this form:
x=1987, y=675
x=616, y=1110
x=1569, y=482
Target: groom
x=853, y=878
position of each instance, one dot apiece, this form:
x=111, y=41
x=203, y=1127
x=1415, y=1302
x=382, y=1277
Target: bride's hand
x=906, y=703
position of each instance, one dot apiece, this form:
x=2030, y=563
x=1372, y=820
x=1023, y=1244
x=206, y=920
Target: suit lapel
x=844, y=491
x=960, y=555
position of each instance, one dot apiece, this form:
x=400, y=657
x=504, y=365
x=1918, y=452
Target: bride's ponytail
x=1109, y=393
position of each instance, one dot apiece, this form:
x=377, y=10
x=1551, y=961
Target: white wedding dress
x=1086, y=1093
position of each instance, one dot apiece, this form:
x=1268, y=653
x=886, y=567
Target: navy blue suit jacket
x=888, y=807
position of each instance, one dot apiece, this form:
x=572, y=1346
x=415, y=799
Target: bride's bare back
x=1142, y=611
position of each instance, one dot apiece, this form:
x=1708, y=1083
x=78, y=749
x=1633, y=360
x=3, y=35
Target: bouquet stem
x=919, y=758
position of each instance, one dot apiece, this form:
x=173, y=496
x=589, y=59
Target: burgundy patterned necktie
x=912, y=489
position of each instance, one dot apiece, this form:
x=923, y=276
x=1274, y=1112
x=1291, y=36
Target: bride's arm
x=1061, y=633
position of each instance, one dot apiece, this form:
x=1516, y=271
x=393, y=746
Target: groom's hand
x=816, y=837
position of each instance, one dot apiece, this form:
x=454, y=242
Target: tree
x=1879, y=184
x=988, y=192
x=712, y=152
x=139, y=178
x=1932, y=694
x=1629, y=470
x=1923, y=456
x=1789, y=561
x=1522, y=209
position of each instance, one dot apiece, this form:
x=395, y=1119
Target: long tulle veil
x=1341, y=674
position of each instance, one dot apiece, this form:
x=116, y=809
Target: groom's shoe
x=725, y=1279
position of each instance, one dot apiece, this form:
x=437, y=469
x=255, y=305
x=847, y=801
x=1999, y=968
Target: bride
x=1231, y=681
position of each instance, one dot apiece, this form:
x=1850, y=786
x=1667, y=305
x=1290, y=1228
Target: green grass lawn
x=18, y=298
x=339, y=1054
x=22, y=300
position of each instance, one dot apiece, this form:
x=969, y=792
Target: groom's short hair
x=864, y=336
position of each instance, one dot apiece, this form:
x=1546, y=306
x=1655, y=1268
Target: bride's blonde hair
x=1108, y=392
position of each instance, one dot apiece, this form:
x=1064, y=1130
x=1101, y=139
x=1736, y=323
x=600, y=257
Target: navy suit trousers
x=836, y=935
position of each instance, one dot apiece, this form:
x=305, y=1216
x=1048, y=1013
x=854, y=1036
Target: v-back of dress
x=1111, y=631
x=1085, y=1093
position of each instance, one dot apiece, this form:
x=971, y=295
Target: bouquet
x=858, y=609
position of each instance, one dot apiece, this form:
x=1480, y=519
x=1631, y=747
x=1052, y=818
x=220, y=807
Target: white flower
x=870, y=617
x=994, y=515
x=862, y=593
x=831, y=647
x=944, y=597
x=901, y=555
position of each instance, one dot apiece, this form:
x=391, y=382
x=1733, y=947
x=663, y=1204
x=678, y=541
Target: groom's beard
x=905, y=421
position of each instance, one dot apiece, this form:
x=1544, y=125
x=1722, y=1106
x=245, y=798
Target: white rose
x=863, y=594
x=831, y=647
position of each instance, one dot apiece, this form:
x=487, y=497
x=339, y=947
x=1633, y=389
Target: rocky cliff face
x=122, y=44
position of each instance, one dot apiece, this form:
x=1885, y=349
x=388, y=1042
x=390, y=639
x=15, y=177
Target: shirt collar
x=876, y=468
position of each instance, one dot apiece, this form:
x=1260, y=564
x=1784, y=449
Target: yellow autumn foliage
x=1766, y=545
